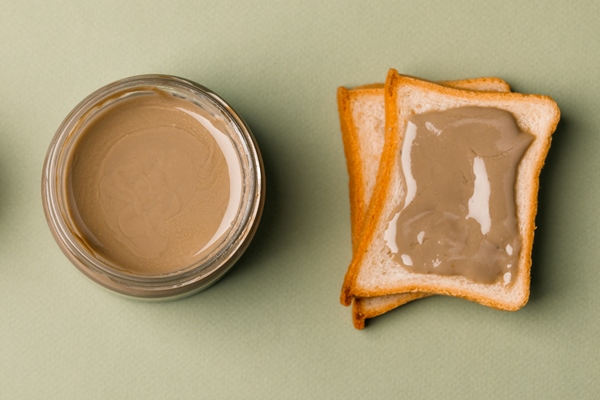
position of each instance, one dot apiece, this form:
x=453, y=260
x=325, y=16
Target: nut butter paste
x=459, y=213
x=149, y=184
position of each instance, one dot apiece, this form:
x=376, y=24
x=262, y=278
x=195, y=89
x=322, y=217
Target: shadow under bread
x=547, y=243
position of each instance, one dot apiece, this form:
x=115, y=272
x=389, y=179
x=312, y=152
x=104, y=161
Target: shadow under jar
x=153, y=187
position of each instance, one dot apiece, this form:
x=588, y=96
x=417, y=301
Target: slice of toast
x=362, y=117
x=372, y=271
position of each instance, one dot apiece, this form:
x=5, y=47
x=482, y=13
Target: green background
x=273, y=327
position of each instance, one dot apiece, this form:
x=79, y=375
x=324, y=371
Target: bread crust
x=364, y=308
x=393, y=138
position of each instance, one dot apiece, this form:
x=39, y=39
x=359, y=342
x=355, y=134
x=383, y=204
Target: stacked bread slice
x=373, y=120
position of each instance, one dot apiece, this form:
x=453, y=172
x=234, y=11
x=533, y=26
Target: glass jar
x=89, y=248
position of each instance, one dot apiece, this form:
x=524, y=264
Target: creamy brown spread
x=459, y=213
x=148, y=183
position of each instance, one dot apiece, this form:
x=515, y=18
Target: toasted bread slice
x=372, y=271
x=362, y=117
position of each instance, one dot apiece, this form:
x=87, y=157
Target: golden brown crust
x=393, y=137
x=360, y=312
x=369, y=86
x=484, y=84
x=353, y=163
